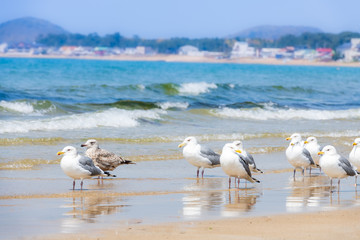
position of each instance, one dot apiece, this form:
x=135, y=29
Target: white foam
x=110, y=118
x=19, y=107
x=270, y=113
x=167, y=105
x=196, y=88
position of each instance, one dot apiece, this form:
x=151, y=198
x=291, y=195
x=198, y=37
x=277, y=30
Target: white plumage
x=247, y=156
x=312, y=145
x=199, y=156
x=334, y=165
x=78, y=167
x=234, y=165
x=298, y=156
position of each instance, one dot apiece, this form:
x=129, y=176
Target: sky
x=185, y=18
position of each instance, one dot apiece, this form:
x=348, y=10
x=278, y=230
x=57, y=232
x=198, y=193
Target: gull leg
x=74, y=185
x=330, y=184
x=303, y=172
x=238, y=180
x=355, y=180
x=202, y=173
x=310, y=171
x=230, y=182
x=294, y=173
x=81, y=184
x=197, y=173
x=339, y=185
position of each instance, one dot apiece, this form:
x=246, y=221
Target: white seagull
x=311, y=144
x=199, y=156
x=234, y=165
x=105, y=160
x=334, y=165
x=354, y=156
x=298, y=156
x=78, y=167
x=247, y=156
x=295, y=136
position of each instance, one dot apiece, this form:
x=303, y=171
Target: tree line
x=170, y=46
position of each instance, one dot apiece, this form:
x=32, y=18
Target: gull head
x=356, y=142
x=238, y=144
x=188, y=141
x=295, y=136
x=68, y=151
x=295, y=142
x=231, y=147
x=310, y=140
x=328, y=150
x=91, y=143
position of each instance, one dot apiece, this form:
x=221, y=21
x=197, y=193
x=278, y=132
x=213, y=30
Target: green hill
x=274, y=32
x=26, y=29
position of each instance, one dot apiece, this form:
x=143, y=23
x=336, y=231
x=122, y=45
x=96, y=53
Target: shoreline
x=321, y=225
x=191, y=59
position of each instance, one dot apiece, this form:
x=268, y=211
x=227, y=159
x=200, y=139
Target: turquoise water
x=45, y=96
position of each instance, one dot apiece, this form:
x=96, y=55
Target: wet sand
x=163, y=200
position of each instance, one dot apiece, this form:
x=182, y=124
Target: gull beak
x=292, y=144
x=181, y=145
x=354, y=144
x=83, y=145
x=287, y=139
x=320, y=153
x=238, y=151
x=60, y=153
x=305, y=142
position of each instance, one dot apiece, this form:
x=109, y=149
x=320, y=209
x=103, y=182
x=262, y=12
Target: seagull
x=234, y=165
x=78, y=167
x=354, y=156
x=247, y=157
x=311, y=144
x=334, y=165
x=298, y=156
x=199, y=156
x=295, y=136
x=105, y=160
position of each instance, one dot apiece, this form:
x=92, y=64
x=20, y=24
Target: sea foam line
x=109, y=118
x=269, y=113
x=196, y=88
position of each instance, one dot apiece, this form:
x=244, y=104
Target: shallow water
x=42, y=201
x=143, y=110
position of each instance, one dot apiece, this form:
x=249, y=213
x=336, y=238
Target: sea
x=143, y=110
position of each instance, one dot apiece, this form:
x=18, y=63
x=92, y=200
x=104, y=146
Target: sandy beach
x=199, y=59
x=341, y=224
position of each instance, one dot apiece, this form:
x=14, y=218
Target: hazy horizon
x=164, y=19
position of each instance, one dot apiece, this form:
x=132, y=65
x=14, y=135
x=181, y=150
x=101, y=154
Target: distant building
x=242, y=50
x=269, y=52
x=324, y=54
x=350, y=51
x=3, y=48
x=189, y=50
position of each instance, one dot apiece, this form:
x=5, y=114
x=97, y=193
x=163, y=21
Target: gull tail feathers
x=255, y=180
x=109, y=174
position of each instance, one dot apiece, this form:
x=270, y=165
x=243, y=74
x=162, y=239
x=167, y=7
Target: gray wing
x=308, y=156
x=346, y=165
x=245, y=164
x=88, y=165
x=249, y=159
x=213, y=157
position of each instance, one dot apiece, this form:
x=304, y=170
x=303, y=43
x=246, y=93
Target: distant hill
x=274, y=32
x=27, y=29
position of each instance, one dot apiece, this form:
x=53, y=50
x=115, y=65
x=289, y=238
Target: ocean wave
x=26, y=164
x=26, y=107
x=171, y=105
x=273, y=113
x=112, y=117
x=196, y=88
